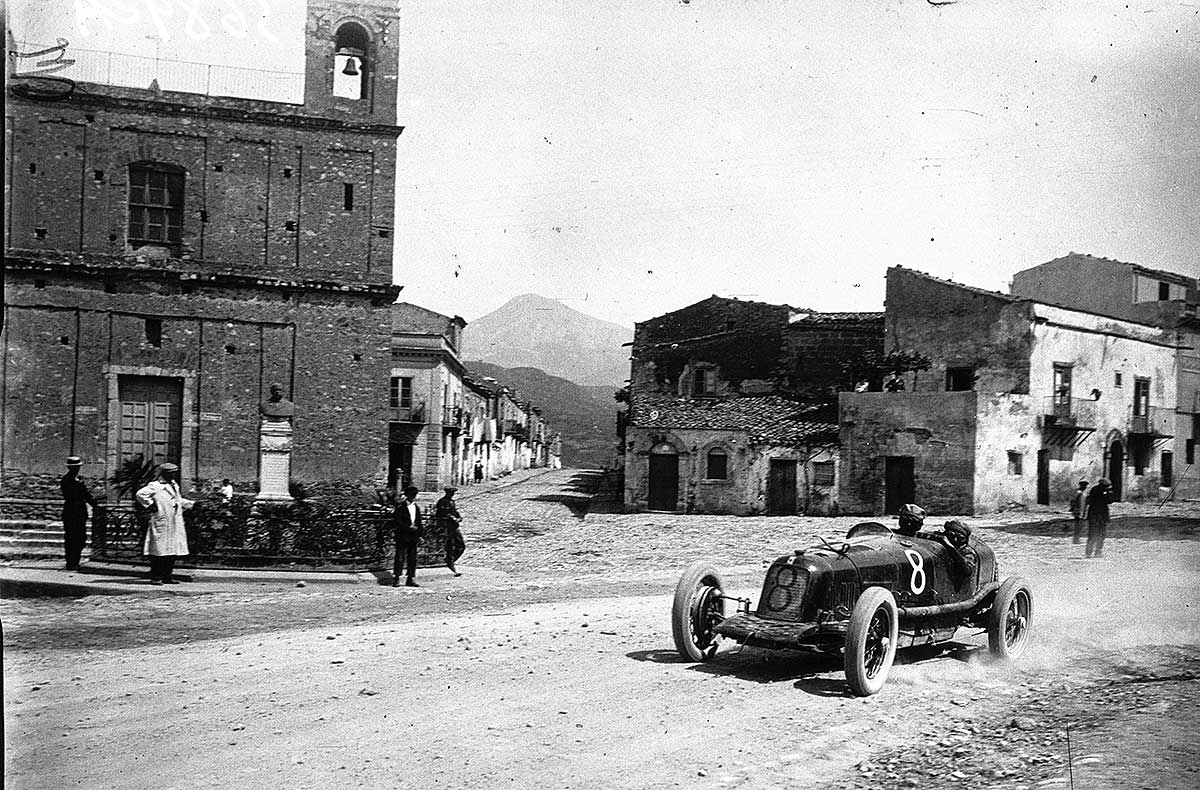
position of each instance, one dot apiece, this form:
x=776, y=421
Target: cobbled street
x=550, y=663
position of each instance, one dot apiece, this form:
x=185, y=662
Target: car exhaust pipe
x=951, y=608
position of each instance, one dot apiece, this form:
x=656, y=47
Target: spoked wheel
x=698, y=608
x=871, y=641
x=1010, y=619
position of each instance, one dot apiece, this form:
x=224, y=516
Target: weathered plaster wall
x=743, y=492
x=1006, y=424
x=1097, y=349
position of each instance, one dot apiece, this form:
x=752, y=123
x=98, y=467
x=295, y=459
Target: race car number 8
x=917, y=583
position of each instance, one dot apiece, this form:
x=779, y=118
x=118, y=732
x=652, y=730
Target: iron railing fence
x=1067, y=411
x=139, y=71
x=266, y=534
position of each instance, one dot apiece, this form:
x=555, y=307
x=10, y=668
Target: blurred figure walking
x=1079, y=509
x=447, y=515
x=1098, y=500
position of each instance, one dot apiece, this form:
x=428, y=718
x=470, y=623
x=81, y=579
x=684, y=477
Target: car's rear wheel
x=699, y=606
x=1010, y=619
x=871, y=641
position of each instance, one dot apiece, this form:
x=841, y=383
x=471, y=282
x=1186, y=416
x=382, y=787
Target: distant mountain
x=585, y=417
x=531, y=330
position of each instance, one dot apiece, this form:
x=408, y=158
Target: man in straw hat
x=76, y=500
x=166, y=539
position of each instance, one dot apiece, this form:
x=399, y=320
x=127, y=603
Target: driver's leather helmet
x=911, y=519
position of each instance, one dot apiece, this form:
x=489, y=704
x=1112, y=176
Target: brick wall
x=817, y=348
x=262, y=197
x=63, y=336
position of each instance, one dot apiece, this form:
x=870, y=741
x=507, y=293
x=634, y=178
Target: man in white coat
x=166, y=538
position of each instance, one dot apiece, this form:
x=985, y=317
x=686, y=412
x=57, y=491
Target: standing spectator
x=226, y=491
x=166, y=539
x=76, y=501
x=1097, y=517
x=479, y=471
x=409, y=528
x=1079, y=509
x=446, y=513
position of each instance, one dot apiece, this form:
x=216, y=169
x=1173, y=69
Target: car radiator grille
x=783, y=592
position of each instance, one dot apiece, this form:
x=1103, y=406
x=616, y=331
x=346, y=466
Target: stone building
x=169, y=255
x=444, y=418
x=1022, y=401
x=1148, y=296
x=428, y=421
x=731, y=407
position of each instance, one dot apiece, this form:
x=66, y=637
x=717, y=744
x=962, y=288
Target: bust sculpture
x=277, y=407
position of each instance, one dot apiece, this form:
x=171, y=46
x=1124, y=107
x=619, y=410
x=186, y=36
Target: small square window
x=718, y=465
x=823, y=473
x=154, y=332
x=1117, y=379
x=960, y=379
x=1015, y=462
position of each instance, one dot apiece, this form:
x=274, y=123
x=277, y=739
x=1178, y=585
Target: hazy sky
x=629, y=157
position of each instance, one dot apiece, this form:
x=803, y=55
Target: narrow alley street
x=549, y=663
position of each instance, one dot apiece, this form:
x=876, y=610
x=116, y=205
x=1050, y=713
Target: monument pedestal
x=274, y=460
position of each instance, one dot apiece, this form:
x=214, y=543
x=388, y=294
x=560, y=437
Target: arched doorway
x=1116, y=467
x=664, y=478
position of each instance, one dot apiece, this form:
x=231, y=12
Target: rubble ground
x=549, y=663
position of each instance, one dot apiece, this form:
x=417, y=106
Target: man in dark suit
x=76, y=499
x=410, y=525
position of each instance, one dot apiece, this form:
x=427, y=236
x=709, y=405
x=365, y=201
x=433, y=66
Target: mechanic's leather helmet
x=958, y=532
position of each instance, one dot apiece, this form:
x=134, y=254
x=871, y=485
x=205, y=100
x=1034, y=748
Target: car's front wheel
x=871, y=641
x=1010, y=619
x=699, y=606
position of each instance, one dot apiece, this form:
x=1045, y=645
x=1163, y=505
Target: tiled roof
x=830, y=318
x=767, y=418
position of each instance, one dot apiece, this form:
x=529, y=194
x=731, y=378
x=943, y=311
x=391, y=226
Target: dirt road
x=556, y=670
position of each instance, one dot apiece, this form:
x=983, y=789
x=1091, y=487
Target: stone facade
x=1042, y=411
x=753, y=384
x=1151, y=296
x=171, y=255
x=444, y=419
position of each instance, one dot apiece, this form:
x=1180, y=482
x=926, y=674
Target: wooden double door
x=151, y=418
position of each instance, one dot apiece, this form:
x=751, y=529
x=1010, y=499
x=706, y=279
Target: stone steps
x=26, y=538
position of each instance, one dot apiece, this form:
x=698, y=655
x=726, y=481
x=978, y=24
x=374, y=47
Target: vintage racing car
x=865, y=596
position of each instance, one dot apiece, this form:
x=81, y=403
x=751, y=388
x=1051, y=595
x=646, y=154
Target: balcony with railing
x=1067, y=421
x=413, y=413
x=452, y=417
x=1155, y=422
x=1060, y=411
